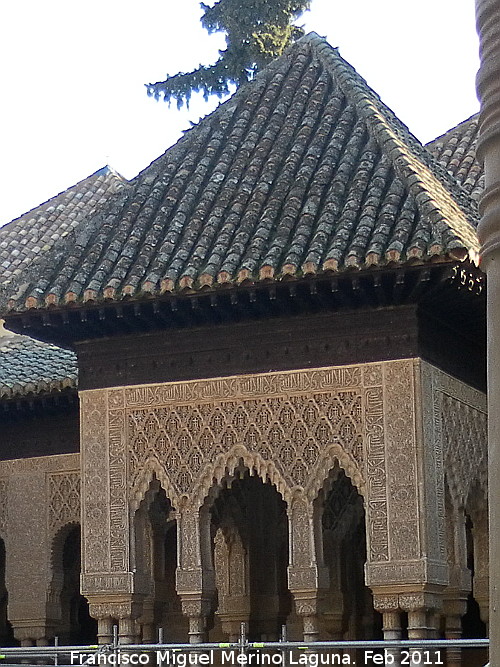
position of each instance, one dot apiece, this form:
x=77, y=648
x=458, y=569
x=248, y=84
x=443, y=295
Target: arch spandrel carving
x=290, y=439
x=64, y=499
x=152, y=469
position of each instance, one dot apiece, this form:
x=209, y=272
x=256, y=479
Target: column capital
x=407, y=600
x=386, y=603
x=411, y=602
x=115, y=606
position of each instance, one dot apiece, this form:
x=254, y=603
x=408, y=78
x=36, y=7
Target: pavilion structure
x=251, y=381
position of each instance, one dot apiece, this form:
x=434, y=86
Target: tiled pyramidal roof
x=28, y=366
x=303, y=171
x=35, y=233
x=456, y=151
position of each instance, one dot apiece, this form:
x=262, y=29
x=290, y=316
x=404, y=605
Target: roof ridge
x=439, y=194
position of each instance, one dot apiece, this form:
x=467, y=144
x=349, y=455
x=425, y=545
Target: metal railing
x=281, y=653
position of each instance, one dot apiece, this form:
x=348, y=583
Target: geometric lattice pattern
x=64, y=494
x=465, y=437
x=292, y=431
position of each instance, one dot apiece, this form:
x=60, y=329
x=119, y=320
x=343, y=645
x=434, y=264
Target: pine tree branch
x=257, y=31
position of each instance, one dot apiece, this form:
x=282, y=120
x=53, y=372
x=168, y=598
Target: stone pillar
x=332, y=618
x=35, y=613
x=104, y=629
x=127, y=630
x=388, y=606
x=146, y=622
x=308, y=578
x=488, y=87
x=195, y=580
x=455, y=606
x=421, y=608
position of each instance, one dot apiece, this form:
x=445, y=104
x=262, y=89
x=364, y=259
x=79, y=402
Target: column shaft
x=488, y=87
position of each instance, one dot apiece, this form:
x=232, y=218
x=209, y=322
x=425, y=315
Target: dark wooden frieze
x=39, y=426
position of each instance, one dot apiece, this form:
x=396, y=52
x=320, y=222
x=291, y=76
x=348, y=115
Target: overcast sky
x=73, y=73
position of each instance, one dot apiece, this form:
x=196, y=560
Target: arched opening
x=77, y=626
x=348, y=602
x=6, y=634
x=155, y=563
x=249, y=534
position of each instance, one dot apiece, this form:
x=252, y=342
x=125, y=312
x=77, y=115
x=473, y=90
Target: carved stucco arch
x=58, y=540
x=335, y=454
x=226, y=464
x=463, y=487
x=152, y=469
x=63, y=500
x=57, y=543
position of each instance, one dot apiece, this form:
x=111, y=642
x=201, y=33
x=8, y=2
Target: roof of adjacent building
x=456, y=151
x=28, y=366
x=31, y=236
x=303, y=171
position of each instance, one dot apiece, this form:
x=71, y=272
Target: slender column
x=332, y=619
x=307, y=576
x=454, y=609
x=455, y=595
x=146, y=626
x=127, y=631
x=105, y=630
x=195, y=581
x=488, y=87
x=27, y=642
x=481, y=595
x=434, y=624
x=388, y=606
x=392, y=625
x=420, y=606
x=231, y=577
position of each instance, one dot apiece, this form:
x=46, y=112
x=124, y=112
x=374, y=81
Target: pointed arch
x=248, y=539
x=336, y=455
x=152, y=469
x=225, y=466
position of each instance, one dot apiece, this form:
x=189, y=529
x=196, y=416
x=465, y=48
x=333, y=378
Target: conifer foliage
x=256, y=32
